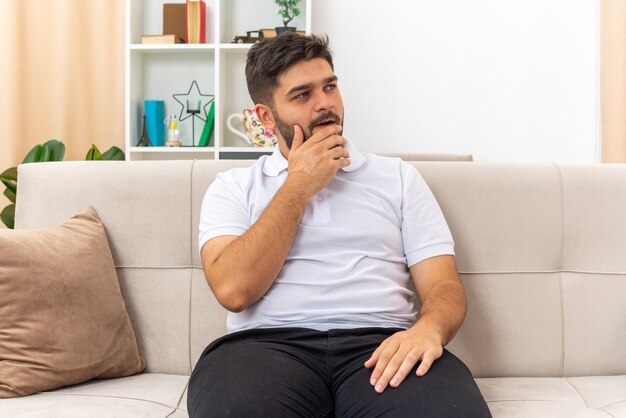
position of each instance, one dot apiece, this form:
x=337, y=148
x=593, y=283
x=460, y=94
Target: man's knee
x=447, y=390
x=247, y=380
x=204, y=401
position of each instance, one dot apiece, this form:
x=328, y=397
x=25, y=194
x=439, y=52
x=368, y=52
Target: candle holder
x=193, y=108
x=193, y=105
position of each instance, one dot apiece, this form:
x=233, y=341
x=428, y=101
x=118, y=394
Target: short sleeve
x=223, y=210
x=425, y=233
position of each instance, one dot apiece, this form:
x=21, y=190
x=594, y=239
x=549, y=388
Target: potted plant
x=52, y=150
x=287, y=10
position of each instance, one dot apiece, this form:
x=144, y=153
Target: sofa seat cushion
x=545, y=397
x=144, y=395
x=164, y=395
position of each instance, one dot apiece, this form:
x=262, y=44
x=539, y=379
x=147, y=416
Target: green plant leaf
x=57, y=150
x=8, y=216
x=52, y=150
x=10, y=174
x=9, y=194
x=93, y=154
x=114, y=153
x=38, y=154
x=10, y=185
x=288, y=9
x=9, y=178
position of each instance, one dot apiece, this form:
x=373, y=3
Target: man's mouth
x=324, y=120
x=327, y=122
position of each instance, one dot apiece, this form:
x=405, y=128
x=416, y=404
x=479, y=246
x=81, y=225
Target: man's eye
x=301, y=96
x=331, y=87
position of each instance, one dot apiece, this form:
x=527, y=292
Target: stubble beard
x=288, y=132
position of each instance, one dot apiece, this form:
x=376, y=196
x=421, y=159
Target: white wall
x=504, y=80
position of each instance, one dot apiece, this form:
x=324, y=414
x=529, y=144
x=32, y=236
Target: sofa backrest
x=540, y=249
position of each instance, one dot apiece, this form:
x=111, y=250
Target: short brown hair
x=271, y=57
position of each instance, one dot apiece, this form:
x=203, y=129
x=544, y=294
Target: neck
x=282, y=146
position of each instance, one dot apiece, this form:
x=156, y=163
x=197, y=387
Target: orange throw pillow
x=63, y=320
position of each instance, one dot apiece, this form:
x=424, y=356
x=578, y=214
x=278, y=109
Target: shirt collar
x=276, y=163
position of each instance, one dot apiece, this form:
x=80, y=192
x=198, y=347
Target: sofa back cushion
x=538, y=249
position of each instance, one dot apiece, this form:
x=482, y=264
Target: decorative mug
x=255, y=133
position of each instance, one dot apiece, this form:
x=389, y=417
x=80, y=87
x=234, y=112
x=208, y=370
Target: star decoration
x=193, y=96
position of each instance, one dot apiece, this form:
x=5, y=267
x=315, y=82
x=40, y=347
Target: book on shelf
x=196, y=21
x=161, y=39
x=207, y=131
x=175, y=19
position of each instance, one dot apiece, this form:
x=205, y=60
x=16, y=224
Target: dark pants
x=298, y=372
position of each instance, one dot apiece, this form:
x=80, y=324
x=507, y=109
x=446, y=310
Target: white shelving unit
x=156, y=72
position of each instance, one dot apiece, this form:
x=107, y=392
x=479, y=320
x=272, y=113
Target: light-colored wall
x=513, y=80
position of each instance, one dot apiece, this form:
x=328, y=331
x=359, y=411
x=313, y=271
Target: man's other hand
x=397, y=355
x=444, y=305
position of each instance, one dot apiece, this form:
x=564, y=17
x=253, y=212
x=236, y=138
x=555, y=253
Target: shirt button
x=318, y=198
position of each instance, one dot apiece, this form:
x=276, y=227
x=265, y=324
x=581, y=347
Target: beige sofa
x=540, y=248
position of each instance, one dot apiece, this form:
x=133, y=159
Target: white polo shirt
x=348, y=265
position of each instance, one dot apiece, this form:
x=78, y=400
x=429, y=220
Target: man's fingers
x=407, y=365
x=385, y=356
x=371, y=362
x=400, y=366
x=339, y=152
x=427, y=361
x=324, y=133
x=391, y=368
x=398, y=355
x=335, y=141
x=298, y=138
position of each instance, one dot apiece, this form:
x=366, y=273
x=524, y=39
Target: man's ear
x=265, y=116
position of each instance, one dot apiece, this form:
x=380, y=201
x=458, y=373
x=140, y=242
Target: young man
x=312, y=250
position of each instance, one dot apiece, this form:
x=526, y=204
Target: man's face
x=308, y=96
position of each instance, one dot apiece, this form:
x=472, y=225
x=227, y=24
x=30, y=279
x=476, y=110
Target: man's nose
x=323, y=102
